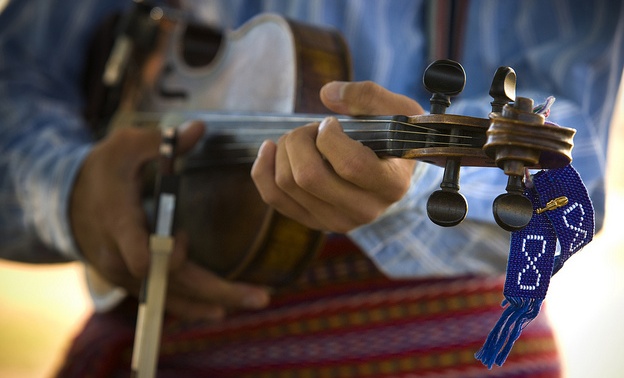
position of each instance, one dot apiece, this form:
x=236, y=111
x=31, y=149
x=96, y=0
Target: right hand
x=110, y=228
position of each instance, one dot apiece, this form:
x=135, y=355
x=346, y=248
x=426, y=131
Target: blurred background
x=42, y=307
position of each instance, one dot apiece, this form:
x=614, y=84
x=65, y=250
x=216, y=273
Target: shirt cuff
x=105, y=296
x=404, y=243
x=52, y=198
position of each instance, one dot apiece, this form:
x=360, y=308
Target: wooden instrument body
x=271, y=65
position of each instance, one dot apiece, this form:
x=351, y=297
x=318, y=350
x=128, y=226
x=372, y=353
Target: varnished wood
x=229, y=228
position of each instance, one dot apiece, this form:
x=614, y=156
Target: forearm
x=41, y=156
x=43, y=139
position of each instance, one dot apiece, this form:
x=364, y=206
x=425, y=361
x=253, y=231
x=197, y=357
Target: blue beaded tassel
x=563, y=212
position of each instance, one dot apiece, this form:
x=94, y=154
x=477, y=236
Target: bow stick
x=161, y=242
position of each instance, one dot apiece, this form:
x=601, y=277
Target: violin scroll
x=516, y=139
x=513, y=210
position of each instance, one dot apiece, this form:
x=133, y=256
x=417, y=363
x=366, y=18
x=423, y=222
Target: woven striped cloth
x=342, y=319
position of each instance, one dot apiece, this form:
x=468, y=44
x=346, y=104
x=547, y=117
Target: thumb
x=366, y=98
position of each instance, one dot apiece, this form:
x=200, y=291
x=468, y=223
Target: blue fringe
x=517, y=315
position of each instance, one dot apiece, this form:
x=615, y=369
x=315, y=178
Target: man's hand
x=320, y=177
x=110, y=227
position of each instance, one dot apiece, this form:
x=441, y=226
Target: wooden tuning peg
x=446, y=207
x=503, y=88
x=513, y=210
x=443, y=78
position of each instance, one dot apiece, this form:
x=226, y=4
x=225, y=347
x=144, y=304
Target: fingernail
x=184, y=126
x=325, y=122
x=333, y=91
x=262, y=147
x=255, y=300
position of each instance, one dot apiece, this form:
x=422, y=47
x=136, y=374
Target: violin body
x=271, y=65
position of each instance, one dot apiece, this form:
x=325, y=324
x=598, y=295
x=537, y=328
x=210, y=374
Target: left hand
x=325, y=180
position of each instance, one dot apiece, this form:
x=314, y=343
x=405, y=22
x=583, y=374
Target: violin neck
x=250, y=129
x=234, y=138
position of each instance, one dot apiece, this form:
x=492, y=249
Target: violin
x=245, y=96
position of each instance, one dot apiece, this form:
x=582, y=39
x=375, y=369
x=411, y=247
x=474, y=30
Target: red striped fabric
x=342, y=319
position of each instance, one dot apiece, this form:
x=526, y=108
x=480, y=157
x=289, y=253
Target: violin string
x=275, y=133
x=248, y=155
x=280, y=132
x=430, y=132
x=241, y=153
x=248, y=150
x=256, y=145
x=238, y=119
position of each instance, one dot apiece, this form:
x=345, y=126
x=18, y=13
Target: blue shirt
x=569, y=49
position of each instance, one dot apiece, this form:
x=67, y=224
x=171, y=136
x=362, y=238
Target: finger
x=140, y=145
x=122, y=156
x=130, y=223
x=130, y=232
x=312, y=182
x=304, y=175
x=190, y=309
x=196, y=283
x=188, y=135
x=133, y=147
x=179, y=255
x=359, y=165
x=299, y=166
x=366, y=98
x=263, y=173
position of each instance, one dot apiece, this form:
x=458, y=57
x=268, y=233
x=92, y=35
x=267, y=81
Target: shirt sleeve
x=404, y=243
x=572, y=52
x=43, y=138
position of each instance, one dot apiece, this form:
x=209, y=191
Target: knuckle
x=369, y=87
x=397, y=191
x=365, y=216
x=268, y=195
x=307, y=178
x=285, y=181
x=129, y=140
x=401, y=185
x=125, y=134
x=138, y=267
x=255, y=173
x=362, y=97
x=350, y=168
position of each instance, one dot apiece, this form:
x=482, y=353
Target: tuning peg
x=444, y=78
x=513, y=210
x=447, y=207
x=503, y=88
